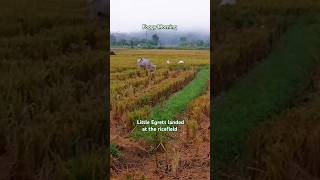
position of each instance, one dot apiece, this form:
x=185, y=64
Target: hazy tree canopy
x=113, y=40
x=161, y=40
x=155, y=39
x=183, y=41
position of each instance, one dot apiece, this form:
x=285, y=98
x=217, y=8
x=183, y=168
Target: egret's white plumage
x=146, y=64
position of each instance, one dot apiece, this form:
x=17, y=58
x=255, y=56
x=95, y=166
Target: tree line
x=155, y=42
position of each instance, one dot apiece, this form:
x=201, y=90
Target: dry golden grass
x=133, y=89
x=288, y=146
x=126, y=58
x=134, y=92
x=52, y=64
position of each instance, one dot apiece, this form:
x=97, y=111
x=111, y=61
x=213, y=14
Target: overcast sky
x=189, y=15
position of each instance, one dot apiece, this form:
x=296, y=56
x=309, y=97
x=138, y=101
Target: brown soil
x=183, y=158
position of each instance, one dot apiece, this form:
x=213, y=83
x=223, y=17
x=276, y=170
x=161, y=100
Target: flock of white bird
x=146, y=64
x=179, y=62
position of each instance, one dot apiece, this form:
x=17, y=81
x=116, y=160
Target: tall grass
x=52, y=61
x=287, y=146
x=266, y=90
x=246, y=33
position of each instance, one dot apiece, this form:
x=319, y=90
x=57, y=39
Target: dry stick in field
x=175, y=162
x=157, y=164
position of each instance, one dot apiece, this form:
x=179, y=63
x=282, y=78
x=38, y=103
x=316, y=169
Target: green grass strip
x=175, y=105
x=269, y=88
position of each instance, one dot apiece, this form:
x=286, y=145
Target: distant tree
x=123, y=42
x=207, y=44
x=200, y=43
x=135, y=41
x=155, y=39
x=143, y=41
x=183, y=41
x=113, y=40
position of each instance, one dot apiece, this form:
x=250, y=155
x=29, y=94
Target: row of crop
x=241, y=48
x=174, y=106
x=286, y=147
x=231, y=62
x=198, y=111
x=140, y=112
x=126, y=73
x=51, y=112
x=269, y=88
x=45, y=115
x=54, y=42
x=201, y=105
x=80, y=67
x=154, y=94
x=38, y=24
x=245, y=34
x=133, y=73
x=22, y=17
x=133, y=86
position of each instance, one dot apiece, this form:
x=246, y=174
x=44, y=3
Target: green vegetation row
x=153, y=94
x=269, y=88
x=175, y=105
x=244, y=34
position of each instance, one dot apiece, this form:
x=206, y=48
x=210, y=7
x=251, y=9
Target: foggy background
x=191, y=17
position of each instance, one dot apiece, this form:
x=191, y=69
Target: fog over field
x=189, y=15
x=166, y=38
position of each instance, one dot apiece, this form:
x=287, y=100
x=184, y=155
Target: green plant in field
x=270, y=87
x=175, y=105
x=87, y=167
x=114, y=151
x=151, y=95
x=259, y=24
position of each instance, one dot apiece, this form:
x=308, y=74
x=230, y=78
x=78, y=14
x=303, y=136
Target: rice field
x=52, y=61
x=137, y=94
x=265, y=64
